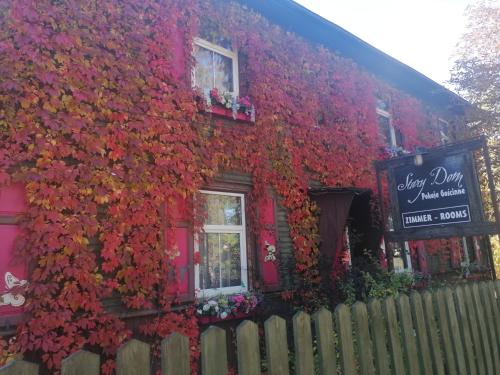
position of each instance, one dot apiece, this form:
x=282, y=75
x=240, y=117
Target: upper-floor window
x=391, y=135
x=222, y=245
x=215, y=67
x=444, y=131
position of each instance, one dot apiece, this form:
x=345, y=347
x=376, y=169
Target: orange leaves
x=101, y=124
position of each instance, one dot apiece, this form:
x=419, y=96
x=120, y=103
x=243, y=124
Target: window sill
x=221, y=111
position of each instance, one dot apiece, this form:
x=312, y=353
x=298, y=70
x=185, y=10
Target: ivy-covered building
x=157, y=155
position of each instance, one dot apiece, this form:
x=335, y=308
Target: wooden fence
x=445, y=332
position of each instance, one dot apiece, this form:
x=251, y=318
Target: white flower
x=199, y=311
x=216, y=308
x=223, y=315
x=206, y=307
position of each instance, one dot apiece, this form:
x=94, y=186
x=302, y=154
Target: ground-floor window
x=222, y=245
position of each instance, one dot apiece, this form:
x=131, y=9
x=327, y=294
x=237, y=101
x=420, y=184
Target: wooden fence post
x=18, y=367
x=497, y=290
x=490, y=324
x=495, y=298
x=409, y=342
x=483, y=330
x=247, y=337
x=276, y=346
x=444, y=328
x=133, y=358
x=421, y=331
x=302, y=338
x=344, y=330
x=455, y=331
x=474, y=327
x=379, y=337
x=81, y=363
x=175, y=355
x=395, y=351
x=363, y=340
x=463, y=317
x=430, y=320
x=323, y=324
x=213, y=352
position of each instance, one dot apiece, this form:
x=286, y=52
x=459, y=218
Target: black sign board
x=434, y=193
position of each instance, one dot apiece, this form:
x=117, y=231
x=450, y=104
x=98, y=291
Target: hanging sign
x=435, y=193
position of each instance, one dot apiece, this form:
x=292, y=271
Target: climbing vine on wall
x=99, y=121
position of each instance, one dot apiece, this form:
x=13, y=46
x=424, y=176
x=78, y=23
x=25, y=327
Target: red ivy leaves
x=100, y=123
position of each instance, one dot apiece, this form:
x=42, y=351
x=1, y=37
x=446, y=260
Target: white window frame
x=444, y=138
x=241, y=229
x=232, y=54
x=406, y=245
x=406, y=249
x=392, y=131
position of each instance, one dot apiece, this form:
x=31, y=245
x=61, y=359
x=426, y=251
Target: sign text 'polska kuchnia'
x=434, y=193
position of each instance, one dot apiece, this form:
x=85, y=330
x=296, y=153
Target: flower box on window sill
x=221, y=111
x=204, y=319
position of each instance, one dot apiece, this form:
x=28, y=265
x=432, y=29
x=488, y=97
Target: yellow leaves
x=79, y=239
x=25, y=103
x=101, y=199
x=86, y=191
x=66, y=100
x=49, y=107
x=61, y=59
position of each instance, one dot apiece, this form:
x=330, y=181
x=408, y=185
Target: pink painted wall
x=12, y=200
x=267, y=221
x=12, y=203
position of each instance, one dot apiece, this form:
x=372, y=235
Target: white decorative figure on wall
x=271, y=252
x=11, y=296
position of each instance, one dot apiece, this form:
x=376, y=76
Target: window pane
x=220, y=260
x=385, y=129
x=399, y=138
x=204, y=69
x=383, y=105
x=223, y=209
x=223, y=73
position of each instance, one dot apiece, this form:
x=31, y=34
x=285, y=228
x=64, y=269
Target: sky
x=420, y=33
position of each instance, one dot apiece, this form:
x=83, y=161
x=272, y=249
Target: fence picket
x=430, y=320
x=213, y=351
x=81, y=363
x=175, y=355
x=276, y=346
x=449, y=332
x=343, y=327
x=483, y=330
x=363, y=340
x=247, y=337
x=474, y=327
x=490, y=325
x=455, y=331
x=133, y=358
x=302, y=338
x=18, y=367
x=409, y=342
x=497, y=292
x=421, y=332
x=463, y=317
x=379, y=337
x=444, y=328
x=495, y=307
x=323, y=323
x=396, y=354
